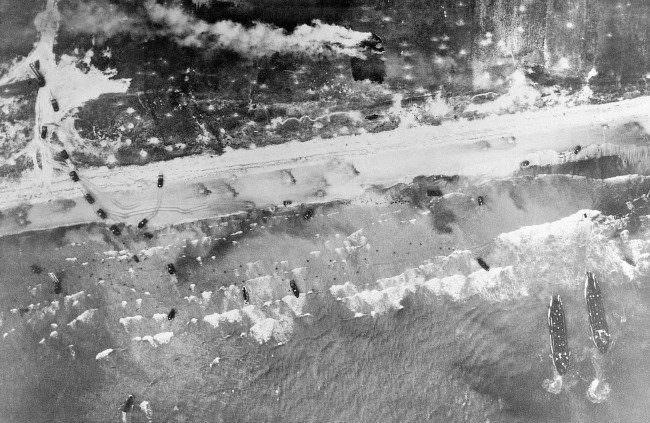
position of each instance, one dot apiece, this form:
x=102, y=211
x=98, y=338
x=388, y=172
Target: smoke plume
x=258, y=40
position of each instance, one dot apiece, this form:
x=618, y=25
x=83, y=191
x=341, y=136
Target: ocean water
x=396, y=320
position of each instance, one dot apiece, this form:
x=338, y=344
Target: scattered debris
x=480, y=200
x=115, y=230
x=286, y=203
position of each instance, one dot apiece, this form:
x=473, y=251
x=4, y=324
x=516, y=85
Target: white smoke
x=257, y=41
x=101, y=18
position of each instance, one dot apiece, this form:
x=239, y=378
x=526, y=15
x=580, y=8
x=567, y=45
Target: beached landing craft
x=557, y=330
x=596, y=310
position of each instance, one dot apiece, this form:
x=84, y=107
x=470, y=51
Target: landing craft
x=483, y=264
x=244, y=294
x=171, y=314
x=557, y=331
x=128, y=405
x=35, y=67
x=101, y=213
x=142, y=223
x=596, y=310
x=116, y=230
x=89, y=198
x=294, y=288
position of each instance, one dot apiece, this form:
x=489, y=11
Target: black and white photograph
x=327, y=211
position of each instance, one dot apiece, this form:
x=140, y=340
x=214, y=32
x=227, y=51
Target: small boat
x=294, y=288
x=128, y=404
x=244, y=294
x=483, y=264
x=558, y=334
x=597, y=319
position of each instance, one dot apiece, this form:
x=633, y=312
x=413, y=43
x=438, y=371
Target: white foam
x=83, y=317
x=145, y=406
x=104, y=354
x=74, y=297
x=230, y=316
x=126, y=321
x=163, y=337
